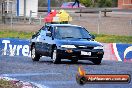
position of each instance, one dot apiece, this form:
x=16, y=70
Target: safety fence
x=116, y=23
x=20, y=47
x=11, y=19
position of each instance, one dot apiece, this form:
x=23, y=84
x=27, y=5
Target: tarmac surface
x=63, y=75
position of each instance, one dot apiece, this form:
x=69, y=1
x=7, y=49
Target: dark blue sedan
x=65, y=41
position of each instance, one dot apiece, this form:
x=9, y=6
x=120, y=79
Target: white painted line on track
x=39, y=85
x=116, y=52
x=58, y=82
x=30, y=74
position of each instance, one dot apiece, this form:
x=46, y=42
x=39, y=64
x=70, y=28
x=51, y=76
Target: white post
x=30, y=17
x=11, y=21
x=7, y=6
x=99, y=20
x=24, y=10
x=40, y=20
x=11, y=17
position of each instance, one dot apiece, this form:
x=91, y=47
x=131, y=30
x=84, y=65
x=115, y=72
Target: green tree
x=87, y=3
x=104, y=3
x=114, y=3
x=108, y=3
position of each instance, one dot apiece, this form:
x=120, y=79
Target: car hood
x=78, y=42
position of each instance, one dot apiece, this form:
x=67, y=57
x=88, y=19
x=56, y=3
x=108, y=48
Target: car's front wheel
x=55, y=57
x=34, y=55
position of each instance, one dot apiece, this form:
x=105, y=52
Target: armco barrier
x=20, y=47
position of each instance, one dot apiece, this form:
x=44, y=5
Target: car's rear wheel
x=34, y=55
x=55, y=57
x=97, y=61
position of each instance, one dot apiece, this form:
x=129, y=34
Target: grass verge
x=7, y=84
x=15, y=34
x=99, y=37
x=113, y=38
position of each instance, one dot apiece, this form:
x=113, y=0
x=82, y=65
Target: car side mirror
x=93, y=36
x=48, y=33
x=33, y=36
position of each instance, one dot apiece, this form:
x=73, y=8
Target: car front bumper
x=64, y=53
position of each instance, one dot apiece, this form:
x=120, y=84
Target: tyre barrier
x=20, y=47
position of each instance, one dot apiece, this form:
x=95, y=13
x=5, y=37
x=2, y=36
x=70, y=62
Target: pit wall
x=20, y=47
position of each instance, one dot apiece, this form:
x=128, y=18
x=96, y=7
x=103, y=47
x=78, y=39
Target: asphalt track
x=50, y=75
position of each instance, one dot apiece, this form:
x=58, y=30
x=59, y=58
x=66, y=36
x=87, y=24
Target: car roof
x=63, y=25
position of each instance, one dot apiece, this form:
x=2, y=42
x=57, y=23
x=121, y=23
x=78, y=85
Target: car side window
x=43, y=33
x=50, y=29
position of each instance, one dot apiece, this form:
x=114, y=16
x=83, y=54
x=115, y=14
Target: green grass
x=15, y=34
x=99, y=37
x=113, y=38
x=7, y=84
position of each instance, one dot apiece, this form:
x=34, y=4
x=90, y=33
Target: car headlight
x=98, y=47
x=68, y=46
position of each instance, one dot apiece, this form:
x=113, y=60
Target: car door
x=49, y=41
x=33, y=40
x=41, y=43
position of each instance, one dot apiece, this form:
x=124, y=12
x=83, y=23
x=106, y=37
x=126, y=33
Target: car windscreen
x=62, y=32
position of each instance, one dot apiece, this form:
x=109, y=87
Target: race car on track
x=65, y=41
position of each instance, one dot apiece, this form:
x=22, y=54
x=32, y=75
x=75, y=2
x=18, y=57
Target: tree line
x=99, y=3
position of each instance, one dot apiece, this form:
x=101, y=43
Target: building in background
x=7, y=6
x=20, y=7
x=125, y=4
